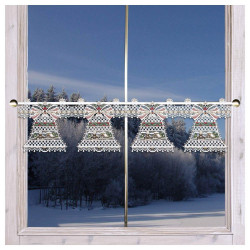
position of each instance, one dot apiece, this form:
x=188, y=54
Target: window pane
x=176, y=52
x=78, y=48
x=79, y=51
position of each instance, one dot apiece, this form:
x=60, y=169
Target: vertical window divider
x=126, y=120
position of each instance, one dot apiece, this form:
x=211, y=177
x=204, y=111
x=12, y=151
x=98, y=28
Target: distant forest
x=72, y=179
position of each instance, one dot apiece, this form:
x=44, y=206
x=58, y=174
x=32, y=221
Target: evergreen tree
x=74, y=97
x=51, y=95
x=104, y=99
x=62, y=95
x=38, y=96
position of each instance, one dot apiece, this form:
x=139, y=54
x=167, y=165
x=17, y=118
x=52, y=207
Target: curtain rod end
x=236, y=103
x=13, y=103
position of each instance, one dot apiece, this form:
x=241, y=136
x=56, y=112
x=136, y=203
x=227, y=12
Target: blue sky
x=174, y=51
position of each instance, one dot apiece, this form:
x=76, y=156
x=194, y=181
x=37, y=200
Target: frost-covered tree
x=177, y=132
x=51, y=94
x=38, y=95
x=74, y=97
x=165, y=175
x=210, y=173
x=113, y=194
x=104, y=99
x=62, y=95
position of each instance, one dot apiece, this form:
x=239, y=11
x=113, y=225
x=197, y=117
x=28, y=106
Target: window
x=87, y=64
x=170, y=56
x=26, y=235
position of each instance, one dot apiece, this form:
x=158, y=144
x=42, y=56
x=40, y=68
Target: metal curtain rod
x=15, y=103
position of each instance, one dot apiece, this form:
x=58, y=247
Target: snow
x=198, y=212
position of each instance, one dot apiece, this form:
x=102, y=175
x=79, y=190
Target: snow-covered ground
x=200, y=212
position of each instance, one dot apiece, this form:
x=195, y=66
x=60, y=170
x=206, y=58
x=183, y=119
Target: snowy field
x=198, y=212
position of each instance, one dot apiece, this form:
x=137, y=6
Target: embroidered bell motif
x=205, y=136
x=44, y=136
x=152, y=135
x=99, y=136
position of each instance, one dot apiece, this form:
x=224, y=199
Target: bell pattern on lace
x=44, y=136
x=152, y=135
x=205, y=136
x=99, y=136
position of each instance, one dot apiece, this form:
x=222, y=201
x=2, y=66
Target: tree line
x=73, y=179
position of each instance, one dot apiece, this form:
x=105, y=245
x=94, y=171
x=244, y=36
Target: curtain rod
x=15, y=103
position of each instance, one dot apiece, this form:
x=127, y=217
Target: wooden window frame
x=16, y=228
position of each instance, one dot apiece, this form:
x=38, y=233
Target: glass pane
x=176, y=52
x=79, y=51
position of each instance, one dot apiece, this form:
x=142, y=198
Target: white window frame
x=17, y=231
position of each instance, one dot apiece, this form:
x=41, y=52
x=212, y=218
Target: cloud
x=95, y=90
